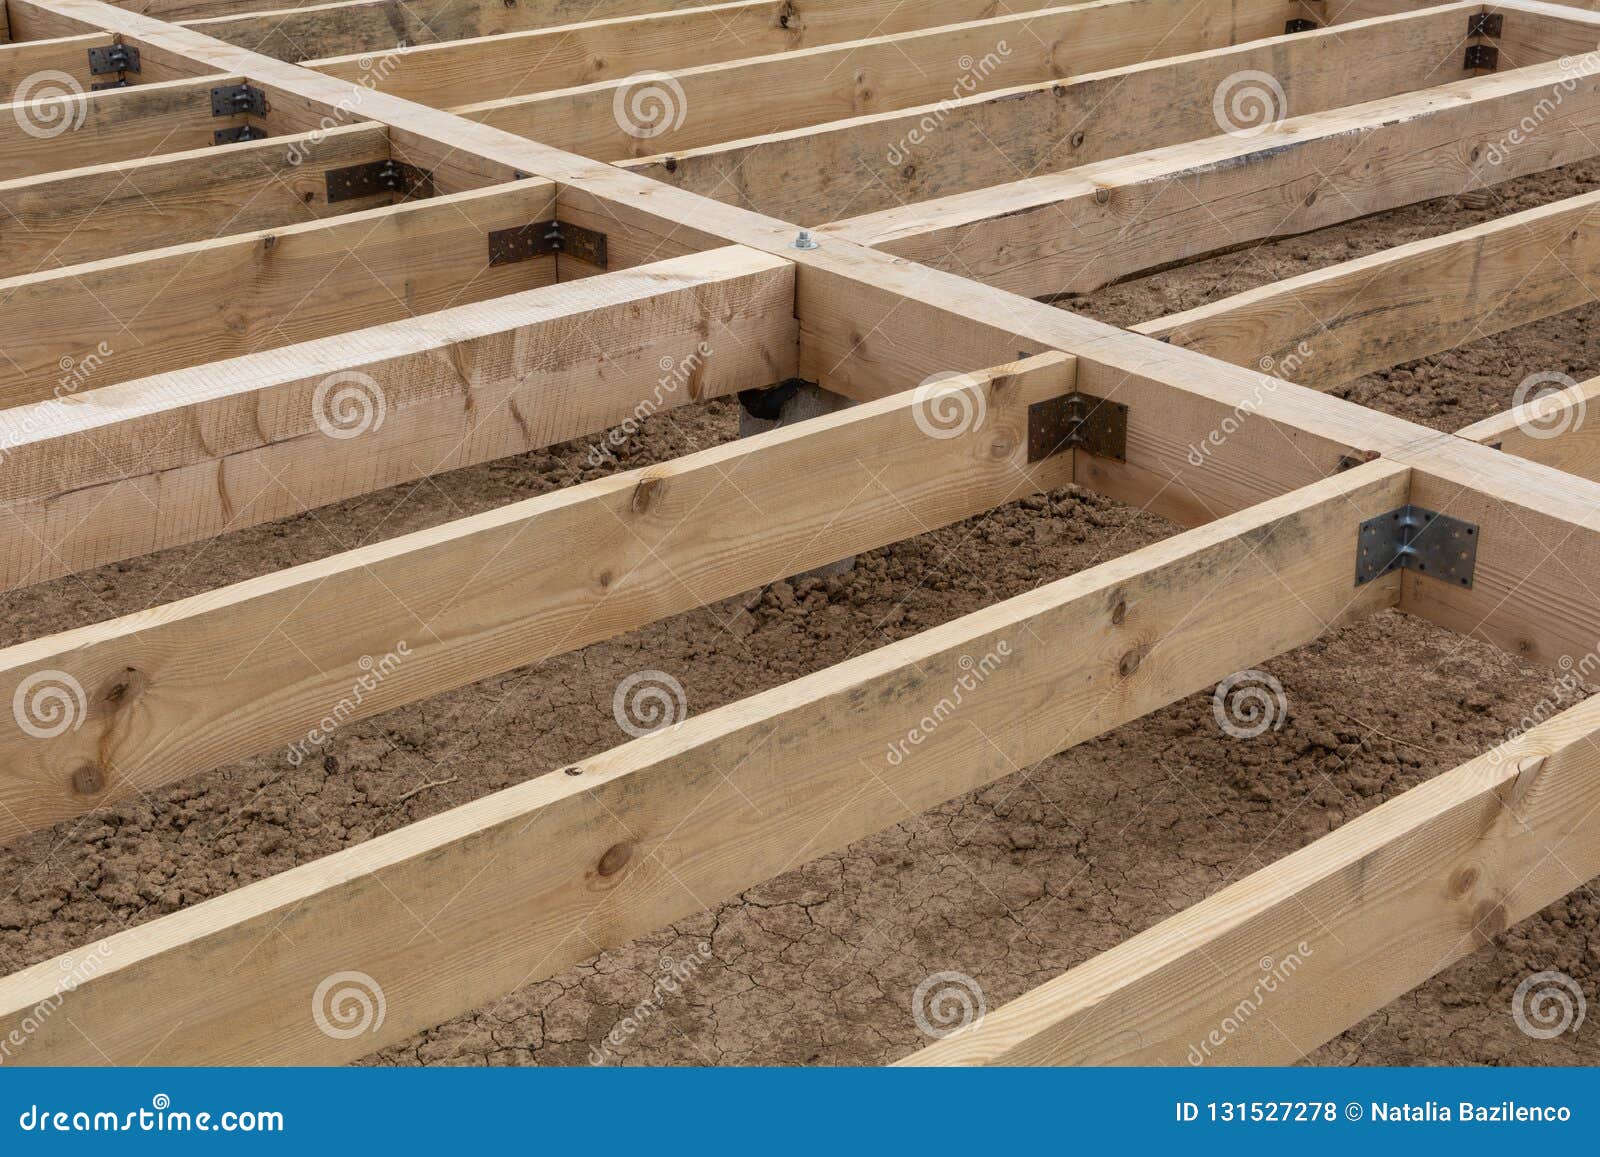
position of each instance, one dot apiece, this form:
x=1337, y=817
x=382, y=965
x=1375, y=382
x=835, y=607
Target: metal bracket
x=1078, y=422
x=1300, y=26
x=389, y=176
x=1412, y=538
x=120, y=82
x=113, y=58
x=242, y=133
x=232, y=99
x=544, y=238
x=1486, y=24
x=1485, y=56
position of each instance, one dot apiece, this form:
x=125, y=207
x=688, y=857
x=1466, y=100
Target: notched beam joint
x=1413, y=538
x=1077, y=422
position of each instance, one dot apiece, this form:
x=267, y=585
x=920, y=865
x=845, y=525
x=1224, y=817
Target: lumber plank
x=168, y=695
x=1552, y=428
x=737, y=99
x=1311, y=944
x=519, y=884
x=33, y=21
x=1332, y=325
x=315, y=31
x=462, y=72
x=157, y=462
x=1533, y=593
x=1078, y=230
x=126, y=207
x=866, y=164
x=158, y=311
x=20, y=63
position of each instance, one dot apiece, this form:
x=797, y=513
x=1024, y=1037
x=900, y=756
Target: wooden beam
x=22, y=63
x=515, y=886
x=730, y=101
x=1076, y=231
x=157, y=462
x=1271, y=968
x=321, y=30
x=158, y=311
x=126, y=207
x=870, y=163
x=1553, y=429
x=168, y=694
x=1538, y=549
x=461, y=72
x=1332, y=325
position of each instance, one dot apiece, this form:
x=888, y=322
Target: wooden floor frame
x=193, y=322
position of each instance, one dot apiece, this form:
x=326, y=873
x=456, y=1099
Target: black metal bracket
x=546, y=238
x=389, y=176
x=1482, y=56
x=113, y=58
x=233, y=99
x=1412, y=538
x=1078, y=422
x=242, y=133
x=1486, y=24
x=767, y=403
x=1300, y=26
x=102, y=85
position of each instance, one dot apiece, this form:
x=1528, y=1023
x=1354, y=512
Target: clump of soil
x=1010, y=885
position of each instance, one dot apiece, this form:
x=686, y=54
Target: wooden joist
x=1078, y=230
x=156, y=462
x=1272, y=967
x=519, y=884
x=869, y=163
x=169, y=696
x=158, y=311
x=1551, y=424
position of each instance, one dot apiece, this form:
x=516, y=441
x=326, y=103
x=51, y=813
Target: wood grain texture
x=1075, y=231
x=127, y=207
x=519, y=884
x=190, y=685
x=148, y=313
x=1311, y=944
x=153, y=463
x=965, y=142
x=1553, y=426
x=1335, y=324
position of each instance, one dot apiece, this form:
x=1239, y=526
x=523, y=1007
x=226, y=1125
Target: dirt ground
x=1011, y=885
